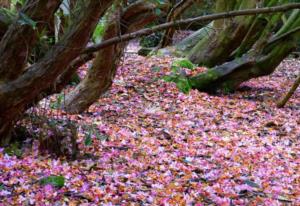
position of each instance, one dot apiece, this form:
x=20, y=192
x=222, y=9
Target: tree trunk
x=228, y=76
x=256, y=55
x=226, y=37
x=182, y=48
x=173, y=15
x=6, y=18
x=100, y=76
x=13, y=59
x=5, y=3
x=17, y=94
x=189, y=42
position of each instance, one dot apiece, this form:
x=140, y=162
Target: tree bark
x=100, y=76
x=5, y=3
x=225, y=38
x=228, y=76
x=13, y=58
x=173, y=15
x=17, y=94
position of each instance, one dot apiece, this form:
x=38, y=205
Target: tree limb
x=205, y=18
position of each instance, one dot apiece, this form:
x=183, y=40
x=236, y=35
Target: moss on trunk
x=226, y=37
x=228, y=76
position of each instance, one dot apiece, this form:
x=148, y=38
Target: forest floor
x=145, y=143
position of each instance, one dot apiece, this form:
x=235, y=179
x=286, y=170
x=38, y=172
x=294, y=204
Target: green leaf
x=183, y=85
x=157, y=11
x=175, y=69
x=1, y=186
x=56, y=181
x=169, y=78
x=184, y=63
x=88, y=139
x=14, y=149
x=26, y=20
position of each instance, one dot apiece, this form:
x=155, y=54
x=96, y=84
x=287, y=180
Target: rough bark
x=257, y=62
x=225, y=38
x=5, y=3
x=100, y=76
x=227, y=77
x=259, y=31
x=17, y=94
x=13, y=59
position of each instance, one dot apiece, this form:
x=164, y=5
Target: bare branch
x=205, y=18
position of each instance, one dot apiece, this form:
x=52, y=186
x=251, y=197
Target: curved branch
x=147, y=31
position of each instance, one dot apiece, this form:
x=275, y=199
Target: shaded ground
x=152, y=145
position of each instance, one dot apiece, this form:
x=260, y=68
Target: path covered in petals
x=153, y=145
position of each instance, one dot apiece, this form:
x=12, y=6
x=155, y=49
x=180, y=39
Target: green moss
x=204, y=80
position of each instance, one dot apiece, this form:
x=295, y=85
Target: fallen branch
x=205, y=18
x=286, y=98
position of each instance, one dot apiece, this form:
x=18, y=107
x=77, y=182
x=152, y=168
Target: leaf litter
x=153, y=145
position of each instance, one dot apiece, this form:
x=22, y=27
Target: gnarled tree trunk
x=261, y=60
x=225, y=37
x=100, y=76
x=16, y=94
x=13, y=59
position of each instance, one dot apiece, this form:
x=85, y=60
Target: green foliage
x=58, y=103
x=157, y=11
x=159, y=2
x=227, y=87
x=184, y=63
x=75, y=79
x=98, y=32
x=155, y=69
x=14, y=149
x=56, y=181
x=17, y=4
x=26, y=20
x=8, y=14
x=178, y=75
x=91, y=130
x=88, y=139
